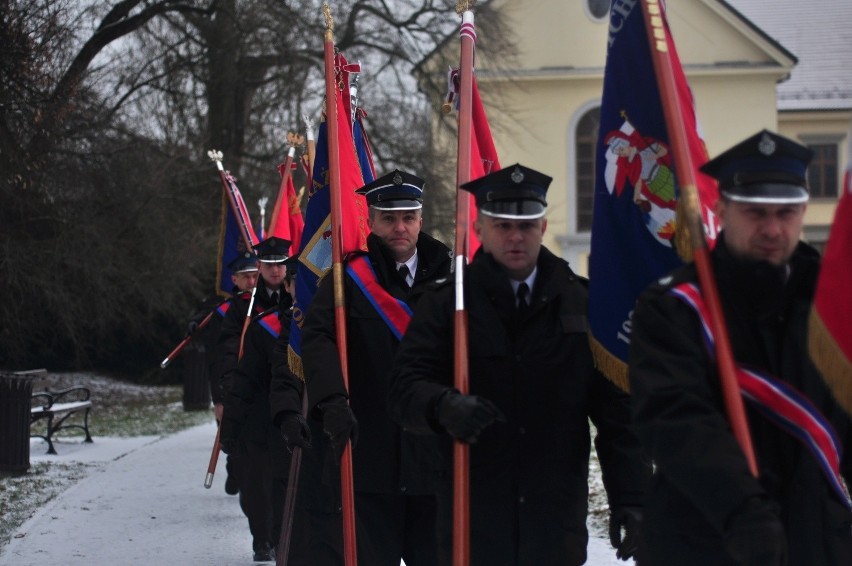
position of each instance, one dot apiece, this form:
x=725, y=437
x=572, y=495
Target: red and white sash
x=779, y=401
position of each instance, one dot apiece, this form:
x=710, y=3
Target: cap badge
x=766, y=145
x=397, y=179
x=272, y=241
x=517, y=175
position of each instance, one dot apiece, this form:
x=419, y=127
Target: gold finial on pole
x=463, y=6
x=329, y=22
x=295, y=140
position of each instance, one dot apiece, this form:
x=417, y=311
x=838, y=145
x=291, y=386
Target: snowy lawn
x=120, y=409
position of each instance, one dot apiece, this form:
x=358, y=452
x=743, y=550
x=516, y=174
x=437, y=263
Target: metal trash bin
x=16, y=390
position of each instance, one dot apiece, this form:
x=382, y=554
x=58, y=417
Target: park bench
x=56, y=407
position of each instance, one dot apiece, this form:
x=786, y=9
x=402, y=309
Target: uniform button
x=521, y=499
x=403, y=489
x=522, y=430
x=517, y=357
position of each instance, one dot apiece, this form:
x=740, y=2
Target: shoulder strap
x=393, y=311
x=778, y=401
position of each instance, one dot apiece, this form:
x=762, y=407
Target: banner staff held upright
x=311, y=143
x=235, y=200
x=261, y=206
x=658, y=40
x=249, y=240
x=461, y=451
x=346, y=483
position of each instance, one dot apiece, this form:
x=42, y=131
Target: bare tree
x=110, y=212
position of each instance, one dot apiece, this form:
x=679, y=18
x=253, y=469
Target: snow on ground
x=142, y=501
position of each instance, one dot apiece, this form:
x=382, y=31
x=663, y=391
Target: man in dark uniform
x=705, y=507
x=245, y=420
x=244, y=277
x=316, y=537
x=533, y=389
x=396, y=505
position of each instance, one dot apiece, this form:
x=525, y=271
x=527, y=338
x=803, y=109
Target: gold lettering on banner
x=620, y=10
x=657, y=25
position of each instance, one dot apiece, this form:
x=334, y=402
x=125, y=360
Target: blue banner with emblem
x=635, y=193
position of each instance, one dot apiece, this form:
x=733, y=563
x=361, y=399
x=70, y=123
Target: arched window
x=598, y=8
x=586, y=138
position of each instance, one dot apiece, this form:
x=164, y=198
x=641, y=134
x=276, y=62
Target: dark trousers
x=254, y=477
x=390, y=527
x=316, y=538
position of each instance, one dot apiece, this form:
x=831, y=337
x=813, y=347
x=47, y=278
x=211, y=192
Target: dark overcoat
x=529, y=475
x=228, y=345
x=386, y=459
x=247, y=400
x=701, y=476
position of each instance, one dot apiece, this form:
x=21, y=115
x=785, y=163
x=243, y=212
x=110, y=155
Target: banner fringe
x=829, y=359
x=294, y=360
x=613, y=368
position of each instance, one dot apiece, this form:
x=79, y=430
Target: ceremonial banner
x=315, y=258
x=635, y=199
x=830, y=332
x=290, y=223
x=483, y=156
x=230, y=241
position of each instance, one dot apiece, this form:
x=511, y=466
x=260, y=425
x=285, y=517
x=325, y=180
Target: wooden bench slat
x=50, y=408
x=62, y=407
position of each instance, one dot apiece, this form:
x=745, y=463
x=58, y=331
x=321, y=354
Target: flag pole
x=282, y=553
x=311, y=142
x=179, y=348
x=684, y=169
x=346, y=484
x=245, y=234
x=461, y=450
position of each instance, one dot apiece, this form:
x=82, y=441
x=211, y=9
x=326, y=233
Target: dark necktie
x=523, y=306
x=274, y=297
x=403, y=272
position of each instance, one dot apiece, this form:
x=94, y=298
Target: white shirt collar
x=411, y=263
x=530, y=281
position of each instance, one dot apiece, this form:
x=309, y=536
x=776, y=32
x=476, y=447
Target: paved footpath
x=148, y=506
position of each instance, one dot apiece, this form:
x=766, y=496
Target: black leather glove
x=229, y=437
x=339, y=424
x=465, y=416
x=295, y=431
x=630, y=520
x=754, y=535
x=191, y=327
